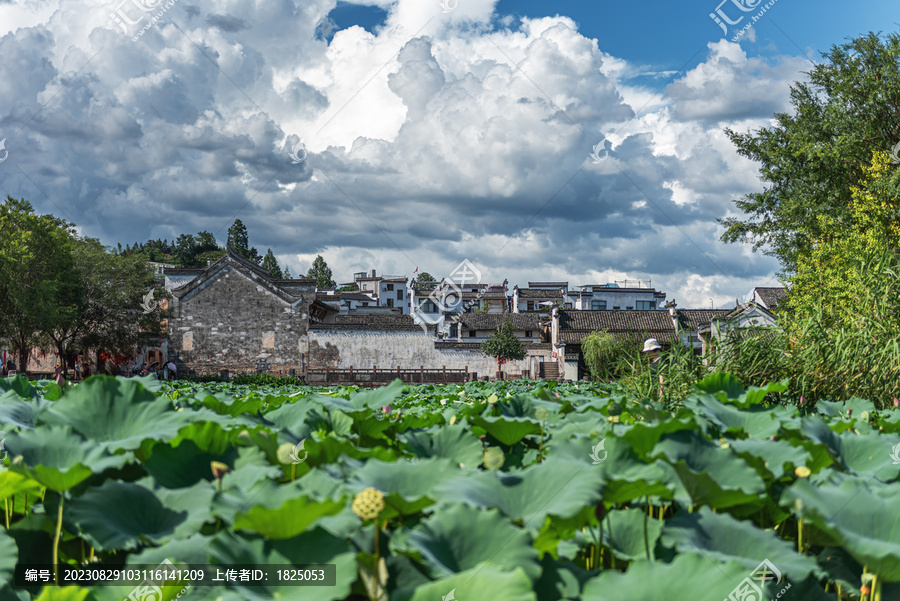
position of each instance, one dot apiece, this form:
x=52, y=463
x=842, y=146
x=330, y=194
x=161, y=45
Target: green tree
x=425, y=278
x=186, y=248
x=105, y=310
x=270, y=264
x=604, y=355
x=810, y=159
x=504, y=345
x=321, y=273
x=239, y=242
x=36, y=283
x=287, y=272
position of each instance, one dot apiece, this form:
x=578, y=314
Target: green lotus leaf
x=778, y=457
x=868, y=455
x=507, y=430
x=720, y=537
x=292, y=417
x=120, y=515
x=642, y=437
x=315, y=546
x=16, y=412
x=710, y=474
x=858, y=405
x=861, y=518
x=477, y=583
x=488, y=540
x=225, y=404
x=623, y=532
x=756, y=422
x=407, y=485
x=183, y=465
x=209, y=437
x=20, y=385
x=560, y=580
x=288, y=520
x=377, y=398
x=456, y=444
x=58, y=458
x=556, y=487
x=687, y=578
x=9, y=556
x=721, y=385
x=66, y=593
x=13, y=483
x=116, y=413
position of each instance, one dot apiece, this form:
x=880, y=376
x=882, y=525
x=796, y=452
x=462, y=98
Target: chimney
x=373, y=273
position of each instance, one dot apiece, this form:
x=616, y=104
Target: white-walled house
x=612, y=297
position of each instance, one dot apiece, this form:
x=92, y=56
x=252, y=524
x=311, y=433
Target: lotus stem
x=800, y=535
x=293, y=471
x=876, y=589
x=6, y=511
x=59, y=517
x=647, y=540
x=377, y=575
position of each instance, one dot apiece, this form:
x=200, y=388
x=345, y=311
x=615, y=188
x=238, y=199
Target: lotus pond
x=504, y=491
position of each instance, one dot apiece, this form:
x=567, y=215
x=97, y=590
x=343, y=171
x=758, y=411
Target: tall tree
x=504, y=345
x=425, y=278
x=108, y=312
x=270, y=264
x=239, y=242
x=186, y=251
x=321, y=273
x=35, y=274
x=287, y=272
x=811, y=158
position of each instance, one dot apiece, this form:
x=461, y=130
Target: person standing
x=653, y=349
x=172, y=370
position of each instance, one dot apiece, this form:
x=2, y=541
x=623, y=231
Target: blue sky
x=429, y=134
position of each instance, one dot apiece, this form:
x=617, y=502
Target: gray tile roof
x=369, y=322
x=694, y=319
x=492, y=321
x=532, y=293
x=770, y=297
x=631, y=324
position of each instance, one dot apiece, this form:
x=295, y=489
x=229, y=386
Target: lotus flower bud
x=600, y=511
x=285, y=453
x=849, y=412
x=494, y=458
x=896, y=402
x=452, y=420
x=219, y=469
x=802, y=472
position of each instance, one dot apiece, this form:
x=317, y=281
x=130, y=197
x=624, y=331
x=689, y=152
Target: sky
x=564, y=141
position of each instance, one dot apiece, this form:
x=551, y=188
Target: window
x=365, y=304
x=390, y=302
x=527, y=333
x=365, y=286
x=531, y=305
x=399, y=295
x=598, y=305
x=630, y=308
x=646, y=305
x=568, y=305
x=617, y=308
x=471, y=333
x=428, y=307
x=390, y=287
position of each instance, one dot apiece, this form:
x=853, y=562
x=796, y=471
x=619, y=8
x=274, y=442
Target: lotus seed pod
x=368, y=504
x=542, y=414
x=802, y=472
x=245, y=437
x=600, y=511
x=494, y=458
x=492, y=399
x=849, y=412
x=285, y=453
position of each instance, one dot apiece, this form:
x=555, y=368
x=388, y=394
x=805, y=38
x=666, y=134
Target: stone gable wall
x=233, y=321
